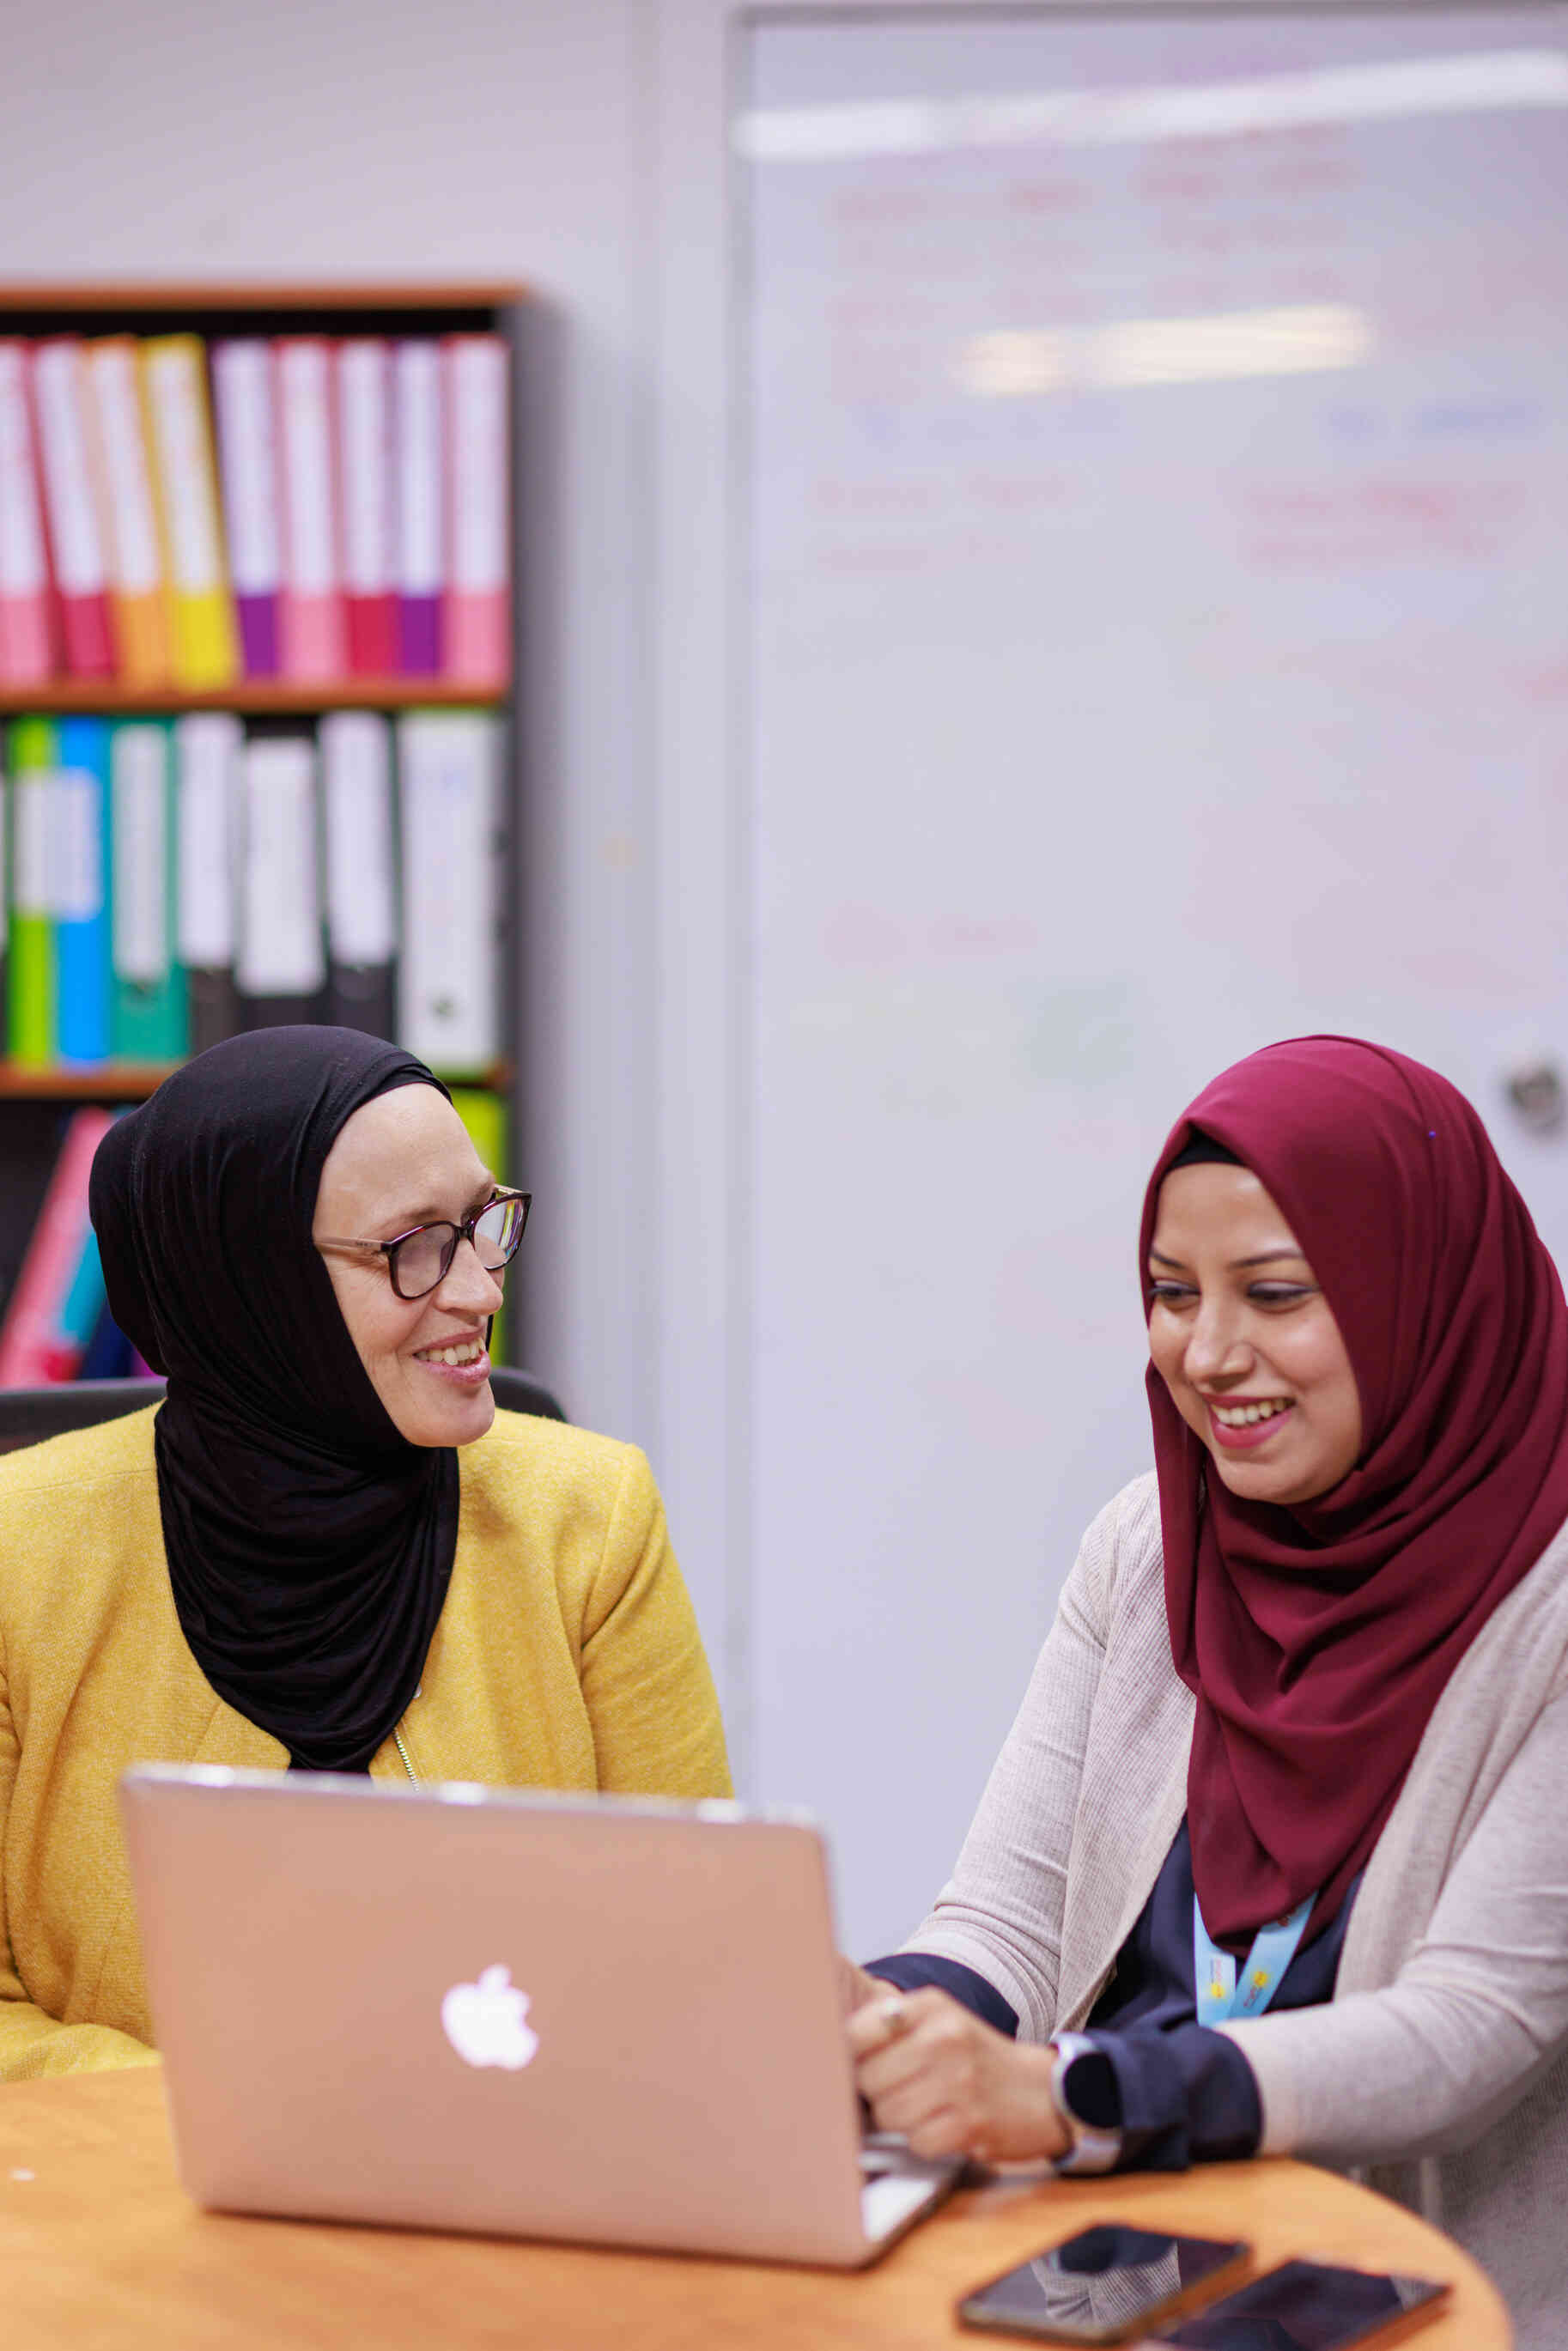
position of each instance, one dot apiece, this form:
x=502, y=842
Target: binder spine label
x=366, y=501
x=183, y=453
x=78, y=552
x=419, y=479
x=31, y=842
x=133, y=532
x=140, y=908
x=308, y=469
x=280, y=951
x=22, y=572
x=76, y=846
x=447, y=993
x=241, y=378
x=356, y=752
x=479, y=467
x=208, y=752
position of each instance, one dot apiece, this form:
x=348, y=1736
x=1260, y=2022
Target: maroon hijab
x=1318, y=1640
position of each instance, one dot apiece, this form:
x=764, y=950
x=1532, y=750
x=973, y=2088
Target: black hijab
x=310, y=1545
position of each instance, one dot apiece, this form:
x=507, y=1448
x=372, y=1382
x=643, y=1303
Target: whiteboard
x=1157, y=562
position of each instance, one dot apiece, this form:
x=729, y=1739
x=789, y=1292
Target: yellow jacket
x=567, y=1656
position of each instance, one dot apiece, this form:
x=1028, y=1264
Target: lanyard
x=1214, y=1971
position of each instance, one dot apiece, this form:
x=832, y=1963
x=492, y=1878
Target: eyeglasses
x=419, y=1260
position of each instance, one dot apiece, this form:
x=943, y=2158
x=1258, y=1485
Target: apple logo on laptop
x=486, y=2023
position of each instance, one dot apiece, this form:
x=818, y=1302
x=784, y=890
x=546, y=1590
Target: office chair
x=29, y=1415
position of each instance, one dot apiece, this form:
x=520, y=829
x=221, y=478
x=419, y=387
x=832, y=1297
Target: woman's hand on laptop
x=950, y=2083
x=855, y=1987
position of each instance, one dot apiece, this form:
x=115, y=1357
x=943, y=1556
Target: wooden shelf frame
x=134, y=1080
x=258, y=697
x=104, y=1081
x=260, y=294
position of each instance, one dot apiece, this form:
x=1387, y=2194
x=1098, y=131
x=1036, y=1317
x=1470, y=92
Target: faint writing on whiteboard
x=1547, y=682
x=1449, y=681
x=914, y=435
x=863, y=526
x=1361, y=424
x=1011, y=362
x=938, y=1039
x=871, y=936
x=1284, y=173
x=1380, y=519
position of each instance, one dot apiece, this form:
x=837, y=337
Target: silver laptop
x=526, y=2015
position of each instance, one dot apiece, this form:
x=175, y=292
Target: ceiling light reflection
x=1472, y=82
x=1022, y=363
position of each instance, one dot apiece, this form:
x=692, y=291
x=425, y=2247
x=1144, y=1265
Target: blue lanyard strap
x=1219, y=1993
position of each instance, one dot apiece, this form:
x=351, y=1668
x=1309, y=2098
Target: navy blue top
x=1178, y=2091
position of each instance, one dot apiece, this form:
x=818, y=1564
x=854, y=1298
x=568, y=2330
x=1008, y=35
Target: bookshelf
x=37, y=1102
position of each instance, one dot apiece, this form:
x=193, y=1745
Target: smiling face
x=406, y=1159
x=1243, y=1338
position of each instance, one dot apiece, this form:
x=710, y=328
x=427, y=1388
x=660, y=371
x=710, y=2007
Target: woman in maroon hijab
x=1276, y=1855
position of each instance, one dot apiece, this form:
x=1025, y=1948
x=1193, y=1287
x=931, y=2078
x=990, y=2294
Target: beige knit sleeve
x=1000, y=1913
x=1475, y=2015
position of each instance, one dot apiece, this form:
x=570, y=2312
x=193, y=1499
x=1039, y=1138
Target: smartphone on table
x=1310, y=2306
x=1106, y=2284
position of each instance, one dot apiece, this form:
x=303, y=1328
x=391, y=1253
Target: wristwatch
x=1093, y=2146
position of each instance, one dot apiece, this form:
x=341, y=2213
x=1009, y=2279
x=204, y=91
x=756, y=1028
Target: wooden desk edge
x=88, y=2188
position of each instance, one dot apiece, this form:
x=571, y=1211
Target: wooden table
x=100, y=2251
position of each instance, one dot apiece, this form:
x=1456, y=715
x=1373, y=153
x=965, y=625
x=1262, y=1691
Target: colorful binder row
x=57, y=1322
x=350, y=517
x=172, y=882
x=58, y=1302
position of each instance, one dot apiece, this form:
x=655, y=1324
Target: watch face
x=1083, y=2091
x=1083, y=2080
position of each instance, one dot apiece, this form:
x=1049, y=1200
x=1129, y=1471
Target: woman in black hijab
x=325, y=1548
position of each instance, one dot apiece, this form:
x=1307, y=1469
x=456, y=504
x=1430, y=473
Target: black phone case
x=1130, y=2328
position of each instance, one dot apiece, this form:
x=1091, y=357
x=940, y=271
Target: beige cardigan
x=1440, y=2067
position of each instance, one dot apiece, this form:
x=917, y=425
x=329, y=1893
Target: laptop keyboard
x=895, y=2185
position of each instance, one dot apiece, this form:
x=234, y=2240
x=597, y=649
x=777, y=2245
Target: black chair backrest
x=520, y=1392
x=29, y=1415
